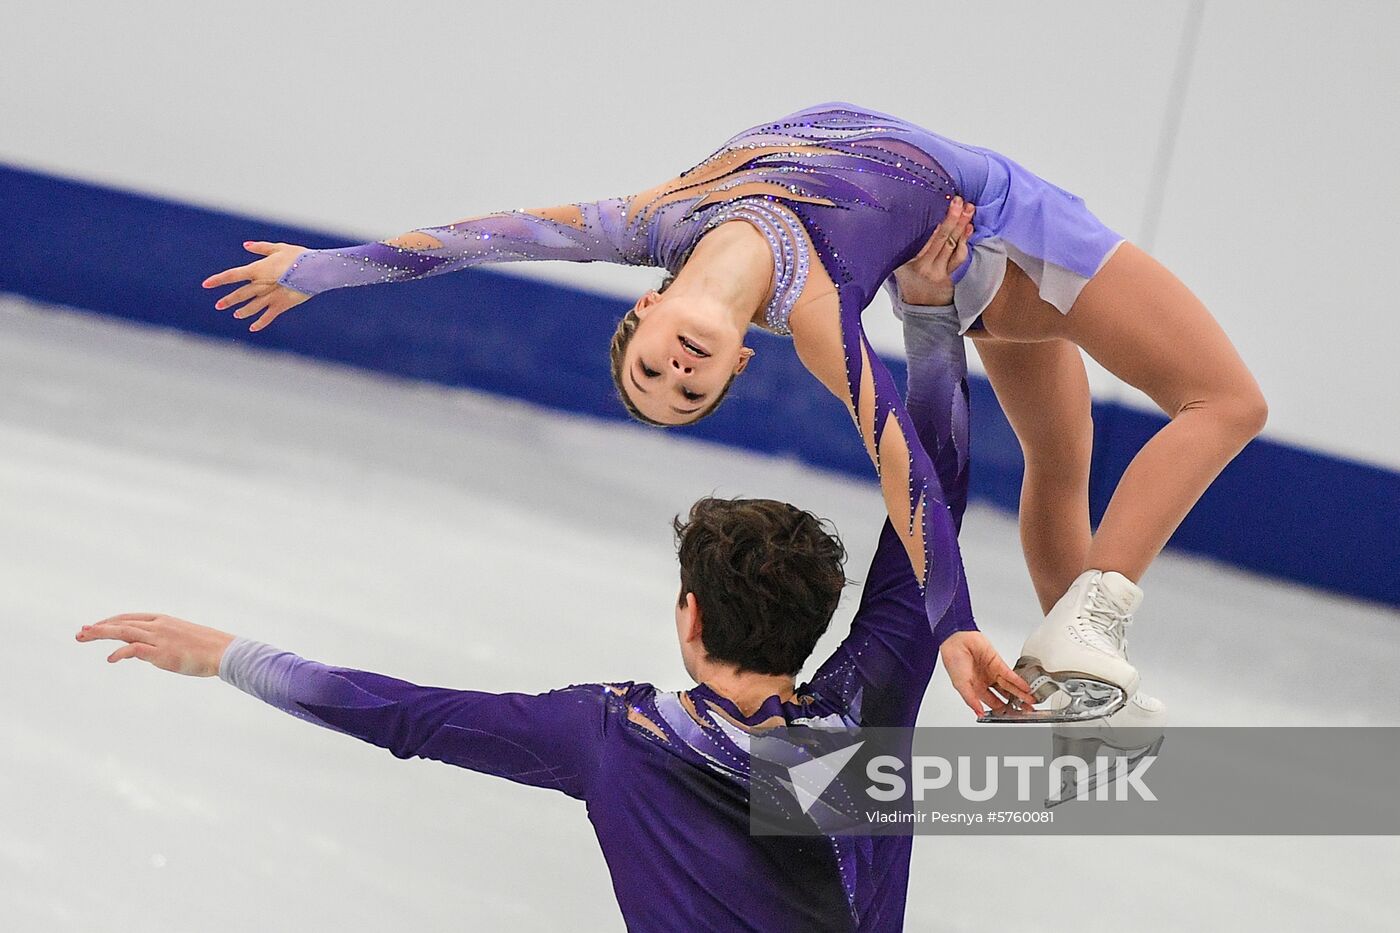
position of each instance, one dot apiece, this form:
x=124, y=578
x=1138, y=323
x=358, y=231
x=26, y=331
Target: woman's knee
x=1241, y=413
x=1252, y=412
x=1062, y=449
x=1044, y=392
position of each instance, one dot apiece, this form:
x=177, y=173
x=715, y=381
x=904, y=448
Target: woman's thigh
x=1044, y=391
x=1017, y=313
x=1141, y=323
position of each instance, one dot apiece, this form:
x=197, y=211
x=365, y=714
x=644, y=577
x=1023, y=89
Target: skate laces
x=1106, y=619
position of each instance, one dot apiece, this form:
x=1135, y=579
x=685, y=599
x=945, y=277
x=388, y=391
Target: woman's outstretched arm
x=595, y=232
x=287, y=275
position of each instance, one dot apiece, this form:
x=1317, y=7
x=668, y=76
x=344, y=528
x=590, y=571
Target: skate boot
x=1110, y=747
x=1080, y=650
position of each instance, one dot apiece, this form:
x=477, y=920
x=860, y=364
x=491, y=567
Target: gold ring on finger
x=953, y=242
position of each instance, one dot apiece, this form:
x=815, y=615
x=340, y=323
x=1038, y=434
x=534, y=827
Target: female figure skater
x=833, y=199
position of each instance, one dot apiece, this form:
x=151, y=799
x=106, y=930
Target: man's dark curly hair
x=767, y=577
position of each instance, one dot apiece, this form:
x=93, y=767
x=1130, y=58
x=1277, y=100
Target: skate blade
x=1090, y=749
x=1077, y=697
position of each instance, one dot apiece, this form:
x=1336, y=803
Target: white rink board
x=451, y=538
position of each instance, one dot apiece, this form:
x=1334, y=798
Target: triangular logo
x=811, y=778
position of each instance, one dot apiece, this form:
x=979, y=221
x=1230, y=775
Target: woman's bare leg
x=1146, y=327
x=1044, y=391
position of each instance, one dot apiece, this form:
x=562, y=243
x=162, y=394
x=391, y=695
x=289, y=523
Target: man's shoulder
x=630, y=706
x=628, y=689
x=615, y=695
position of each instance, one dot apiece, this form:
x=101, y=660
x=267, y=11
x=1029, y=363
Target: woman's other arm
x=924, y=494
x=835, y=350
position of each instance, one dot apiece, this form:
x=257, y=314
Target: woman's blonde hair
x=618, y=352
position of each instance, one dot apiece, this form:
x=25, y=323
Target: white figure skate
x=1080, y=654
x=1124, y=739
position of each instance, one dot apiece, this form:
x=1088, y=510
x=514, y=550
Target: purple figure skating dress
x=860, y=189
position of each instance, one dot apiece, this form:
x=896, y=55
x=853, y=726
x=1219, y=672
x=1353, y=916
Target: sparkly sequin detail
x=835, y=159
x=791, y=258
x=602, y=234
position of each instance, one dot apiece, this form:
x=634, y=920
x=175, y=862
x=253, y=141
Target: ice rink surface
x=457, y=539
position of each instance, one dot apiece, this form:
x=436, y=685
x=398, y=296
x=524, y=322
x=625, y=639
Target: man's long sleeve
x=551, y=740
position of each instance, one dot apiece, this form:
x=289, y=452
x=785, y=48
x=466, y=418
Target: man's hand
x=169, y=643
x=927, y=278
x=975, y=668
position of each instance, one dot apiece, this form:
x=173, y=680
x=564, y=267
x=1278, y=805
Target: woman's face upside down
x=680, y=359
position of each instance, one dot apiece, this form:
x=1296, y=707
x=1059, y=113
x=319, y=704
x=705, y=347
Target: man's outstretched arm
x=548, y=740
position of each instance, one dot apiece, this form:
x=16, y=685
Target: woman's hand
x=262, y=292
x=975, y=668
x=169, y=643
x=927, y=278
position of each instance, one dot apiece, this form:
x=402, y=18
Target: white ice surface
x=453, y=538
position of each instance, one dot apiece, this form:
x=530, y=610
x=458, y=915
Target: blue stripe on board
x=1277, y=509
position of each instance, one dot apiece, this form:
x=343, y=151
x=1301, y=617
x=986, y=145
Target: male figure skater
x=664, y=774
